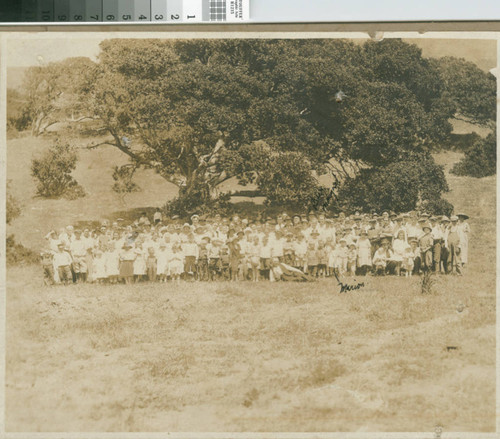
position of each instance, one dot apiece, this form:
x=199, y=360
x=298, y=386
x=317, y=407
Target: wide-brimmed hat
x=463, y=215
x=445, y=219
x=427, y=226
x=454, y=218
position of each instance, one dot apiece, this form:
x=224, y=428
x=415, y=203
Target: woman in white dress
x=139, y=262
x=112, y=262
x=364, y=247
x=463, y=233
x=399, y=247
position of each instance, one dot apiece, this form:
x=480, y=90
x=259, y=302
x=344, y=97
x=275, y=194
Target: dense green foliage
x=193, y=110
x=480, y=160
x=400, y=186
x=469, y=89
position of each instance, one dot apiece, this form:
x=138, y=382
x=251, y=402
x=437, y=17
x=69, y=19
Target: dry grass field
x=242, y=356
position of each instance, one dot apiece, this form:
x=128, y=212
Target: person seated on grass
x=383, y=260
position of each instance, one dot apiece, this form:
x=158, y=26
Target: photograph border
x=8, y=33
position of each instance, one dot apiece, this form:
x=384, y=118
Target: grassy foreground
x=251, y=357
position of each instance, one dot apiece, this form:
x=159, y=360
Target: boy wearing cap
x=157, y=217
x=78, y=250
x=417, y=260
x=426, y=243
x=47, y=258
x=214, y=265
x=53, y=241
x=191, y=253
x=62, y=263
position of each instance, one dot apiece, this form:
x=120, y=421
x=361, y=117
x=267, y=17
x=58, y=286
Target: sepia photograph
x=250, y=233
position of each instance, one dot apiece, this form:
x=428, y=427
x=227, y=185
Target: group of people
x=288, y=247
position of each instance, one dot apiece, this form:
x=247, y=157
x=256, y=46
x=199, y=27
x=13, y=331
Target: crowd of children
x=297, y=247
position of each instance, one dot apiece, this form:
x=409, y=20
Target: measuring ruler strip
x=136, y=11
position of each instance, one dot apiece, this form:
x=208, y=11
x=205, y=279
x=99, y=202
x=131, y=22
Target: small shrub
x=17, y=254
x=325, y=372
x=427, y=282
x=123, y=175
x=250, y=397
x=480, y=160
x=13, y=210
x=53, y=173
